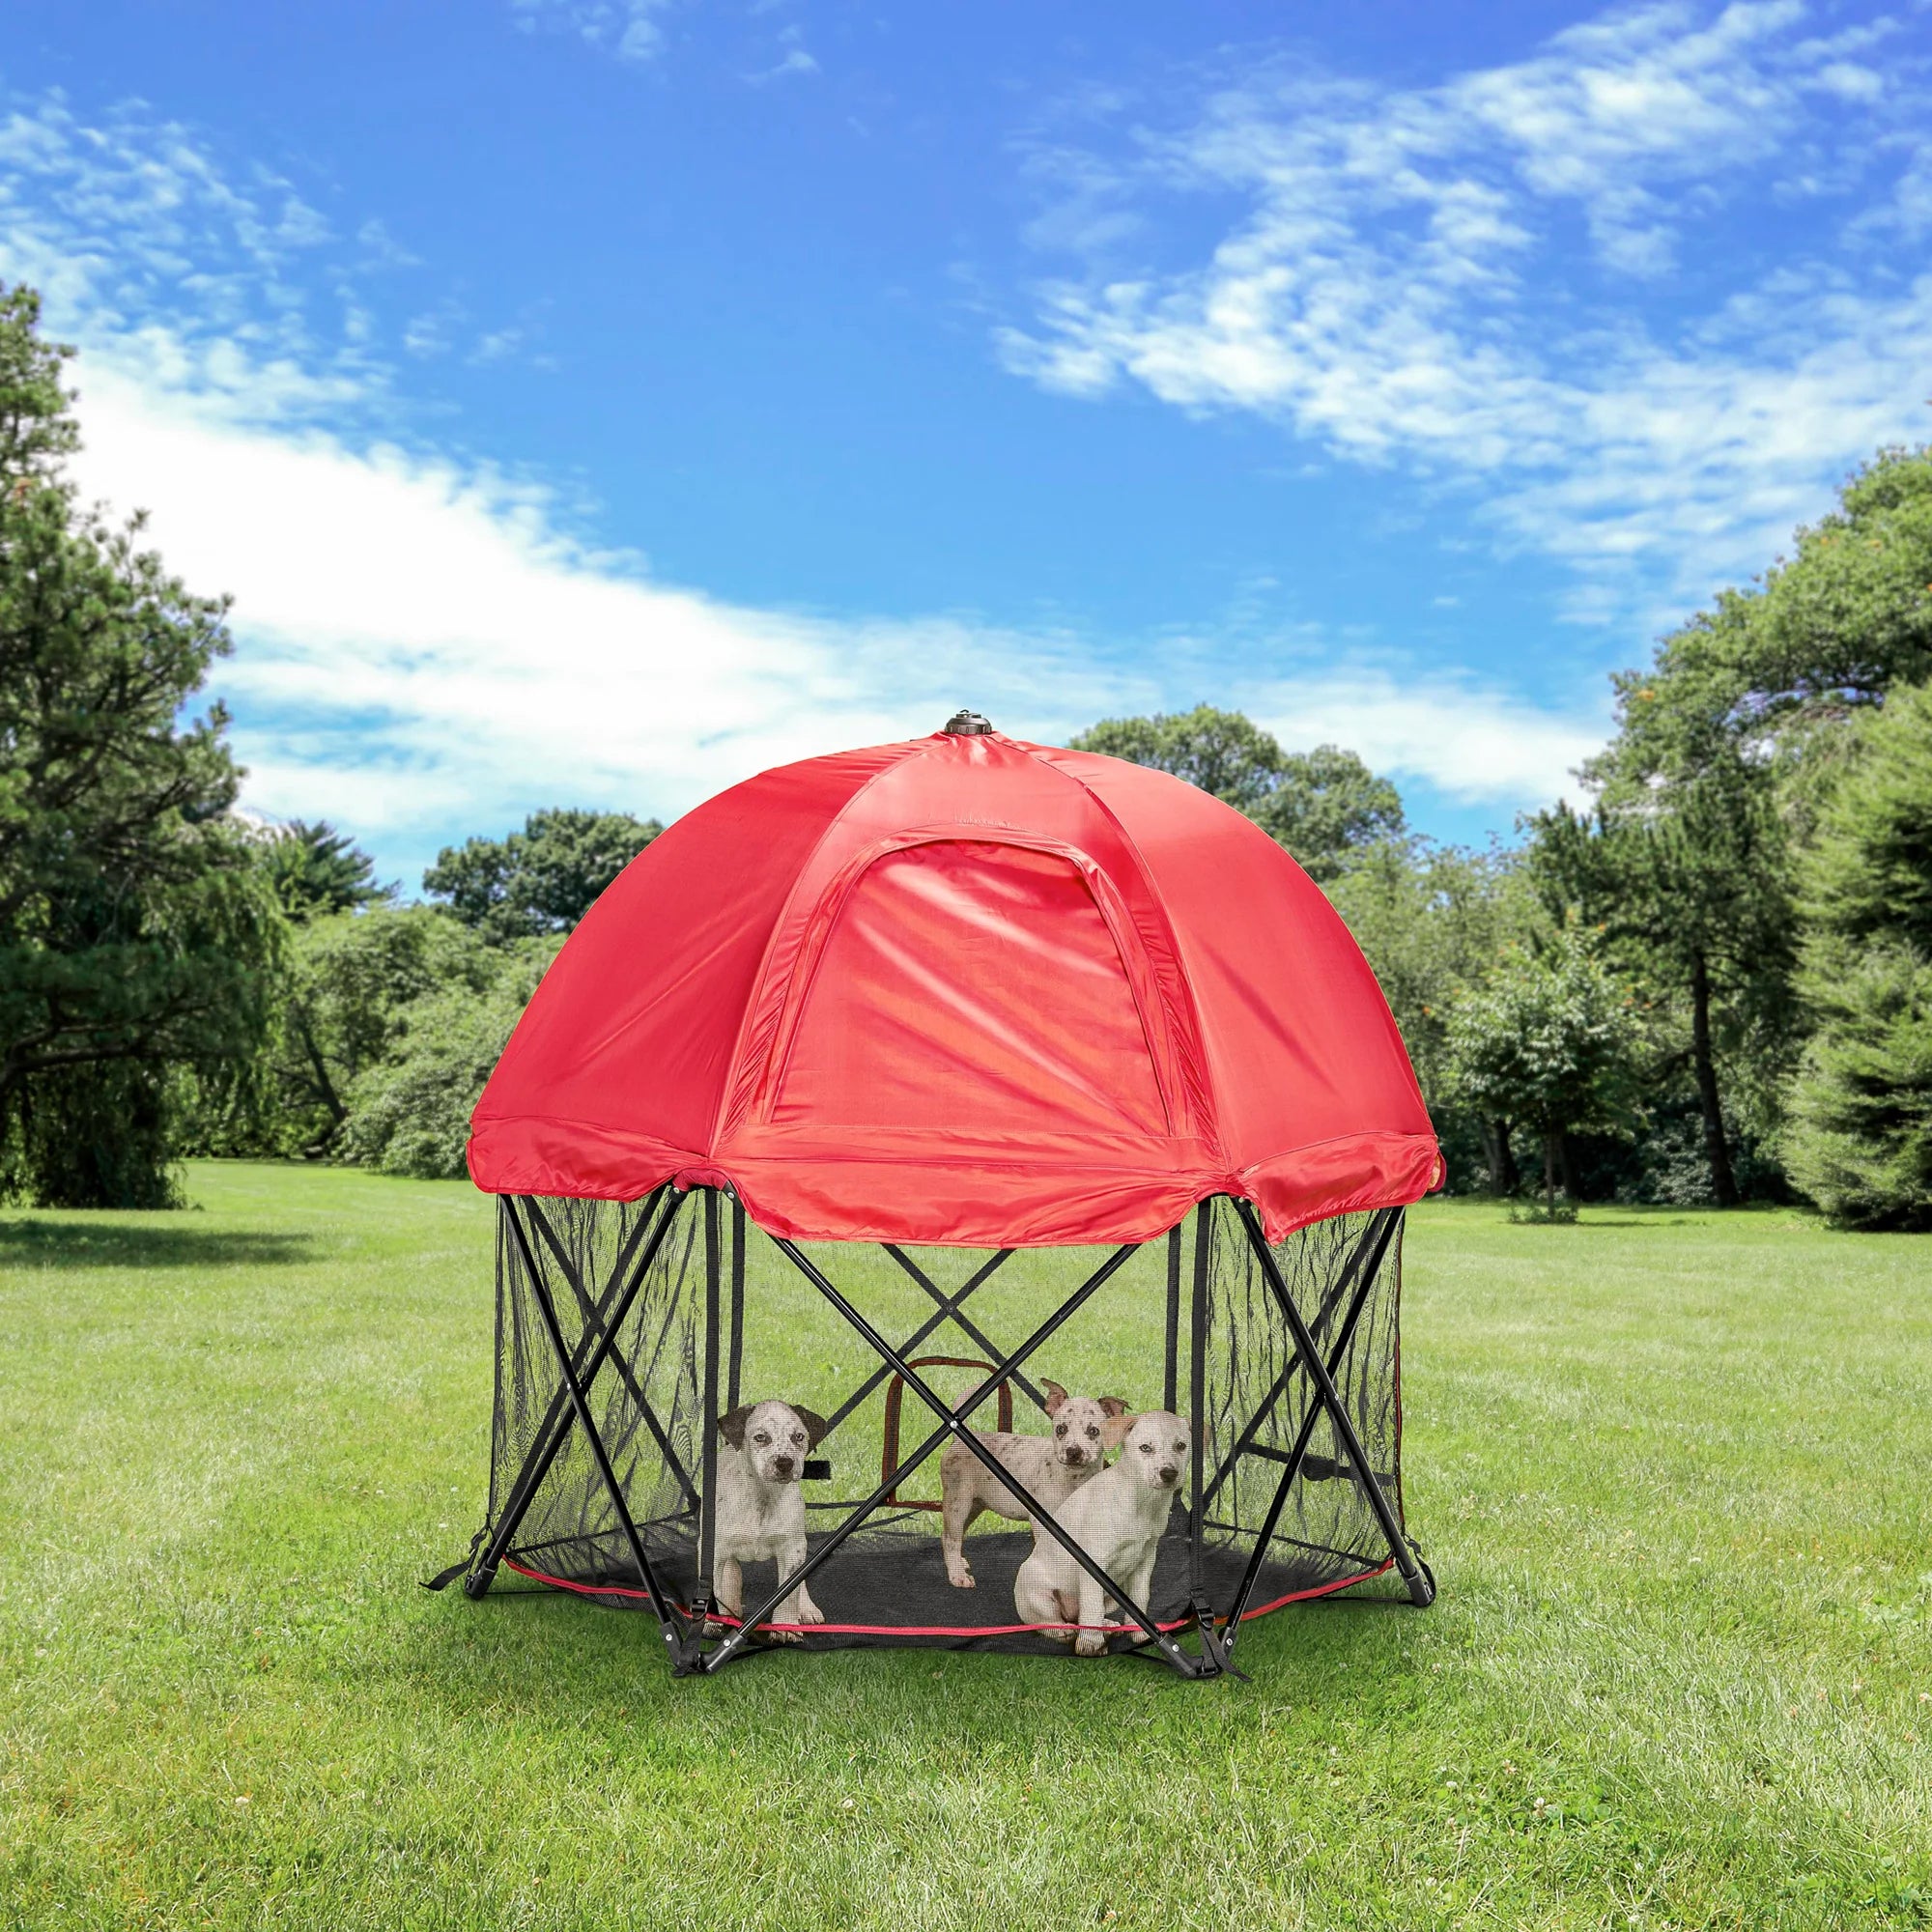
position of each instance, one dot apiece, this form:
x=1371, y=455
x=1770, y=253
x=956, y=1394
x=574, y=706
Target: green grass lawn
x=1670, y=1470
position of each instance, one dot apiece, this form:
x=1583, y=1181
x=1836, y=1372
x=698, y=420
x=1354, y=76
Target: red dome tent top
x=963, y=990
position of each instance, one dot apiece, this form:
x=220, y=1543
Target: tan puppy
x=1050, y=1468
x=1118, y=1520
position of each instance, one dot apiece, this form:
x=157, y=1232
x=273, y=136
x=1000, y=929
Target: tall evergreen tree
x=316, y=871
x=1860, y=1136
x=137, y=933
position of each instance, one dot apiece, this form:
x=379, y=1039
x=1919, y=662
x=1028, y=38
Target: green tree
x=410, y=1112
x=1728, y=747
x=1550, y=1038
x=1327, y=807
x=540, y=880
x=1433, y=921
x=1324, y=805
x=1690, y=879
x=316, y=870
x=138, y=935
x=354, y=979
x=1860, y=1136
x=1823, y=635
x=1222, y=751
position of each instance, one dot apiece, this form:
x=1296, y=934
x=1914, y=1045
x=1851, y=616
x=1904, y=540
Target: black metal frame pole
x=952, y=1306
x=707, y=1421
x=1421, y=1587
x=1298, y=1455
x=1197, y=1394
x=593, y=1319
x=952, y=1425
x=1214, y=1658
x=949, y=1306
x=737, y=1352
x=1170, y=1385
x=672, y=1623
x=558, y=1418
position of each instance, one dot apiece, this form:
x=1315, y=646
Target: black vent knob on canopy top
x=967, y=724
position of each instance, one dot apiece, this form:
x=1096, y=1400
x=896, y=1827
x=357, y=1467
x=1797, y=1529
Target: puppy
x=1117, y=1519
x=1051, y=1468
x=760, y=1509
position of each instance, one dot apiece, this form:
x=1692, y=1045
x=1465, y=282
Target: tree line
x=1713, y=984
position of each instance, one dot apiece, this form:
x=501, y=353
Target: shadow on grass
x=104, y=1244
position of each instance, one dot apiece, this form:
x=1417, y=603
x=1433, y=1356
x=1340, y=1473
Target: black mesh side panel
x=885, y=1583
x=1259, y=1398
x=587, y=1258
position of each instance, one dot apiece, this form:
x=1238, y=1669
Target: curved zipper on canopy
x=758, y=1090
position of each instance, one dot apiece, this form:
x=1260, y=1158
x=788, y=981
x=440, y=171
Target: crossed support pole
x=952, y=1423
x=949, y=1308
x=685, y=1631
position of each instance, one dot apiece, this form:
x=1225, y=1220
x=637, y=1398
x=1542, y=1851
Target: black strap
x=1211, y=1646
x=443, y=1579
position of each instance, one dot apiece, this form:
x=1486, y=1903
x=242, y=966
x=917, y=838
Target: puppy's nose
x=1169, y=1473
x=782, y=1464
x=1075, y=1453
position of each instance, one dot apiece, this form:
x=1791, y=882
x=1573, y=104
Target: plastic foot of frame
x=1422, y=1585
x=477, y=1582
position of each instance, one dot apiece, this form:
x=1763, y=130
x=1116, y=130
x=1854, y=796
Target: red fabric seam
x=933, y=1630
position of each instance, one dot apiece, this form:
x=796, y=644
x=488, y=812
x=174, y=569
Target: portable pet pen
x=938, y=1069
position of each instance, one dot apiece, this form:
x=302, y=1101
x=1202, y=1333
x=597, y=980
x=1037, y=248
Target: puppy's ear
x=815, y=1424
x=1055, y=1395
x=733, y=1427
x=1112, y=1405
x=1115, y=1429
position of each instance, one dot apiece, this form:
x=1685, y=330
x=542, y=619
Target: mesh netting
x=715, y=1314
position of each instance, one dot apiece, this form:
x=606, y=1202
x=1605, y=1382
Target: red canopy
x=962, y=990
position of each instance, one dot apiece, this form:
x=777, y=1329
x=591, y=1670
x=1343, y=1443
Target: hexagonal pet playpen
x=952, y=1070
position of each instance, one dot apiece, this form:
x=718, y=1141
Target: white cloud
x=1473, y=743
x=628, y=28
x=795, y=60
x=1405, y=284
x=425, y=648
x=420, y=644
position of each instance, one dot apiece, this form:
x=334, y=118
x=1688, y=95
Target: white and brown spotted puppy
x=1050, y=1468
x=760, y=1507
x=1118, y=1520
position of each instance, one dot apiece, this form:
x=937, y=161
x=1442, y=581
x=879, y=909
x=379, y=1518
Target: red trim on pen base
x=941, y=1630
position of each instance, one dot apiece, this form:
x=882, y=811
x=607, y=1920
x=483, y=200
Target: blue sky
x=594, y=401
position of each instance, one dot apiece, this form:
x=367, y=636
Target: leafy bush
x=409, y=1112
x=356, y=979
x=1550, y=1040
